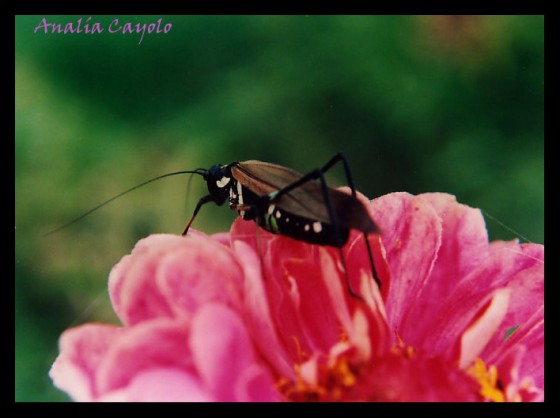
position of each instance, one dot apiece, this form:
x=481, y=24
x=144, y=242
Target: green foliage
x=433, y=103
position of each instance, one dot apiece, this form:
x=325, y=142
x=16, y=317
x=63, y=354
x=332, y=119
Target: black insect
x=282, y=201
x=285, y=202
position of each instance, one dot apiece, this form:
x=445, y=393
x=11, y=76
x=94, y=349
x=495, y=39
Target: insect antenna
x=188, y=194
x=199, y=171
x=513, y=231
x=516, y=233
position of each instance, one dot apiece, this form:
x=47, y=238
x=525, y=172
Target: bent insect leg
x=202, y=201
x=340, y=157
x=318, y=175
x=334, y=222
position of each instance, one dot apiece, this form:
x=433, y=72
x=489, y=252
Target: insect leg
x=258, y=221
x=334, y=222
x=314, y=175
x=340, y=157
x=202, y=201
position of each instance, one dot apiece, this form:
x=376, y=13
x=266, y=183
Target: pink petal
x=464, y=240
x=160, y=385
x=196, y=272
x=248, y=232
x=336, y=291
x=530, y=336
x=469, y=296
x=525, y=315
x=411, y=235
x=254, y=384
x=285, y=263
x=170, y=276
x=151, y=344
x=222, y=238
x=477, y=335
x=532, y=339
x=370, y=335
x=116, y=280
x=308, y=296
x=222, y=350
x=464, y=245
x=320, y=309
x=134, y=293
x=517, y=387
x=81, y=350
x=258, y=311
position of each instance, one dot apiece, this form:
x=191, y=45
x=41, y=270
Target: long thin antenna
x=513, y=231
x=200, y=171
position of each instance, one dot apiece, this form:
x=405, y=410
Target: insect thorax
x=244, y=201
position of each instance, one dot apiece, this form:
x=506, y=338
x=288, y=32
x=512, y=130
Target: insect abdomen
x=302, y=229
x=282, y=222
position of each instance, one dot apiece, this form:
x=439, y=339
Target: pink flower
x=183, y=337
x=253, y=316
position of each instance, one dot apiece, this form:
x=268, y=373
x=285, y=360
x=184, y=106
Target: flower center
x=333, y=378
x=490, y=385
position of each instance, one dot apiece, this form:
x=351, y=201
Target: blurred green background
x=417, y=103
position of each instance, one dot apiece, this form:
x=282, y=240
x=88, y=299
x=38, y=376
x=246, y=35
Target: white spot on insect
x=240, y=193
x=287, y=220
x=271, y=209
x=223, y=182
x=317, y=227
x=306, y=227
x=278, y=214
x=242, y=212
x=232, y=194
